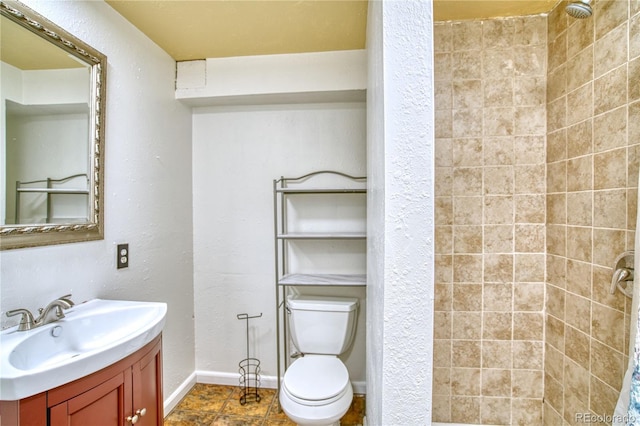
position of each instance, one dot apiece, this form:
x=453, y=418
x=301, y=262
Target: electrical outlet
x=122, y=256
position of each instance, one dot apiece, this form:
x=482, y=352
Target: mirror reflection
x=51, y=107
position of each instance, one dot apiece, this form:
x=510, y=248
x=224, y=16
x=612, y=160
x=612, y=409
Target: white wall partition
x=147, y=192
x=237, y=153
x=400, y=143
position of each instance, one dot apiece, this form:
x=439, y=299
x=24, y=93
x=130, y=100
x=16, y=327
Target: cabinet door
x=147, y=389
x=105, y=405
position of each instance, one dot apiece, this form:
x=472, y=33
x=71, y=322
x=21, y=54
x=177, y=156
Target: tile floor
x=208, y=405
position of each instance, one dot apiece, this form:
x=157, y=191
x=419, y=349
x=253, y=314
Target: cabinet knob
x=133, y=419
x=141, y=412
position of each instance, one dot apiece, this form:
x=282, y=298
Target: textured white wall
x=237, y=153
x=401, y=213
x=148, y=194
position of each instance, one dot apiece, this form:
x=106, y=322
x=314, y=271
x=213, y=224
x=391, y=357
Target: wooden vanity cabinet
x=127, y=392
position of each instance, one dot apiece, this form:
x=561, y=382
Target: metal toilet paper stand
x=249, y=370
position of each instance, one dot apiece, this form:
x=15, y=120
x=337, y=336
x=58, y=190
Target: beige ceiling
x=27, y=51
x=198, y=29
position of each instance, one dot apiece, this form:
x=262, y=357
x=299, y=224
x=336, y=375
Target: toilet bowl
x=315, y=389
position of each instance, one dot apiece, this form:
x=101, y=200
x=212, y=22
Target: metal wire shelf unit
x=284, y=188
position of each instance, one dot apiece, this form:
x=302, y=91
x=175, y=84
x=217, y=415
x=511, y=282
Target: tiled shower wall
x=593, y=121
x=490, y=220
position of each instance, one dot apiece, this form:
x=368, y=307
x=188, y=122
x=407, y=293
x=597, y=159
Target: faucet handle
x=67, y=298
x=26, y=321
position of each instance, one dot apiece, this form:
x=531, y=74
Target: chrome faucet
x=54, y=311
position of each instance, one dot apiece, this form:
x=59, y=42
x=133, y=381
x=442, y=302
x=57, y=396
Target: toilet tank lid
x=322, y=303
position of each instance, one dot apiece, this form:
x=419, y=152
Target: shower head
x=579, y=9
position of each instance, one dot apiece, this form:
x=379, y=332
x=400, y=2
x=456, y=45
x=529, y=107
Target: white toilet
x=316, y=389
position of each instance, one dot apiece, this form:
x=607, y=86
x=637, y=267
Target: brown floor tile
x=206, y=398
x=207, y=405
x=253, y=409
x=189, y=418
x=225, y=420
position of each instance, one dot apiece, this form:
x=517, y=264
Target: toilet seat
x=316, y=380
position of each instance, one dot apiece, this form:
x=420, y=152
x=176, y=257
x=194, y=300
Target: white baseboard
x=177, y=395
x=267, y=382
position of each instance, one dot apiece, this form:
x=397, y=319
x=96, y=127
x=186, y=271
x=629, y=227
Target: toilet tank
x=322, y=325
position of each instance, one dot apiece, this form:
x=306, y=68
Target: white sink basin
x=93, y=335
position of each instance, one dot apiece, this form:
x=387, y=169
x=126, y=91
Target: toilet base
x=324, y=415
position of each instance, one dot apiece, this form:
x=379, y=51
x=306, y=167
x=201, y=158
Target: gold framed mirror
x=52, y=107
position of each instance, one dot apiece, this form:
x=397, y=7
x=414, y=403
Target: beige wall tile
x=580, y=104
x=580, y=35
x=608, y=15
x=557, y=51
x=496, y=382
x=610, y=129
x=526, y=411
x=634, y=36
x=465, y=381
x=465, y=409
x=498, y=151
x=465, y=353
x=580, y=69
x=553, y=395
x=467, y=297
x=609, y=169
x=579, y=277
x=442, y=37
x=557, y=270
x=466, y=325
x=467, y=268
x=610, y=90
x=528, y=297
x=466, y=64
x=495, y=411
x=527, y=355
x=578, y=310
x=467, y=210
x=554, y=329
x=556, y=240
x=555, y=301
x=497, y=325
x=579, y=243
x=607, y=326
x=608, y=243
x=607, y=364
x=557, y=83
x=468, y=239
x=529, y=149
x=578, y=347
x=467, y=123
x=498, y=93
x=610, y=50
x=498, y=33
x=467, y=152
x=610, y=207
x=467, y=35
x=498, y=209
x=467, y=94
x=528, y=326
x=498, y=354
x=529, y=267
x=497, y=63
x=579, y=208
x=580, y=139
x=604, y=397
x=580, y=174
x=530, y=208
x=498, y=239
x=498, y=268
x=527, y=384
